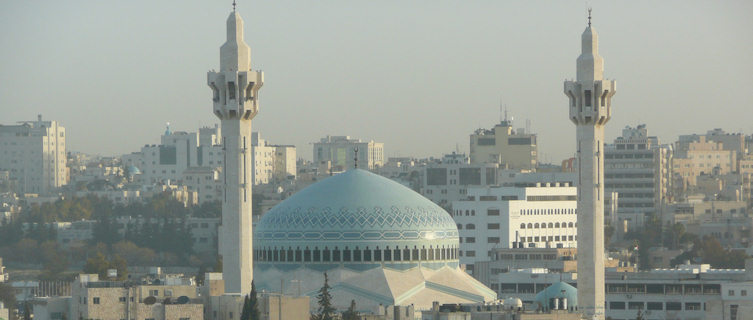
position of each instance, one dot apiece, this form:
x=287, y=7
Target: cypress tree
x=253, y=304
x=326, y=310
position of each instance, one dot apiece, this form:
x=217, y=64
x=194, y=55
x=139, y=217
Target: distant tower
x=235, y=90
x=590, y=109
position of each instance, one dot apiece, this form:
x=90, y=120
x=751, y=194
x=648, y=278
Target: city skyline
x=420, y=77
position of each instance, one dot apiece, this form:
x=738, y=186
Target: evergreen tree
x=253, y=303
x=246, y=309
x=27, y=311
x=326, y=310
x=351, y=313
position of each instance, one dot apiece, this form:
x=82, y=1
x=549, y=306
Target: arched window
x=406, y=254
x=414, y=256
x=317, y=255
x=291, y=257
x=307, y=255
x=396, y=254
x=522, y=225
x=530, y=225
x=424, y=257
x=346, y=254
x=550, y=225
x=470, y=226
x=336, y=255
x=282, y=255
x=276, y=254
x=536, y=225
x=557, y=225
x=543, y=226
x=387, y=254
x=298, y=255
x=357, y=255
x=326, y=255
x=570, y=224
x=431, y=253
x=460, y=226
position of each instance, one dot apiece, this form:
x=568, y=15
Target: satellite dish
x=150, y=300
x=183, y=300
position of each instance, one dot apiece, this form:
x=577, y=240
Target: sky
x=419, y=75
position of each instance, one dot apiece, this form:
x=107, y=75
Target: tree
x=253, y=302
x=351, y=313
x=326, y=311
x=27, y=311
x=97, y=265
x=246, y=310
x=7, y=296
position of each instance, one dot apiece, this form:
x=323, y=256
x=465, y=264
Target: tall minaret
x=235, y=90
x=590, y=109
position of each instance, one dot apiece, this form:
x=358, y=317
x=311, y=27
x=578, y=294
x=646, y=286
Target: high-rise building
x=272, y=162
x=340, y=151
x=33, y=152
x=504, y=145
x=235, y=89
x=702, y=157
x=590, y=104
x=639, y=169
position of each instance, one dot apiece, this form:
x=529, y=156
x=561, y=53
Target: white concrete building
x=340, y=151
x=272, y=163
x=639, y=170
x=449, y=179
x=33, y=152
x=505, y=146
x=205, y=181
x=590, y=105
x=542, y=216
x=235, y=89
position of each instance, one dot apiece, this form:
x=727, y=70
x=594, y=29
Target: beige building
x=504, y=145
x=276, y=307
x=110, y=300
x=703, y=157
x=340, y=151
x=33, y=152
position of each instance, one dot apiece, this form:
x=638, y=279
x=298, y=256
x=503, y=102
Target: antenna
x=589, y=16
x=355, y=151
x=233, y=5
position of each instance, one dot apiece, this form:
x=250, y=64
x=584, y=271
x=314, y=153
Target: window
x=492, y=240
x=617, y=305
x=122, y=299
x=470, y=253
x=674, y=306
x=655, y=306
x=693, y=306
x=492, y=212
x=95, y=300
x=470, y=226
x=731, y=293
x=493, y=226
x=470, y=240
x=743, y=292
x=153, y=292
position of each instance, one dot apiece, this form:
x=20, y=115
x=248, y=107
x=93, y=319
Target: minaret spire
x=235, y=94
x=590, y=105
x=589, y=15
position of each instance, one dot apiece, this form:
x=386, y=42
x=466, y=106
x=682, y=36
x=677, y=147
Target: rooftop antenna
x=500, y=111
x=589, y=17
x=233, y=5
x=355, y=151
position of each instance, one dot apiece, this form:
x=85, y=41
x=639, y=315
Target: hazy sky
x=419, y=76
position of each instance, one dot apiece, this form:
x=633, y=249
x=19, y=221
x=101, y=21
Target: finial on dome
x=589, y=17
x=355, y=151
x=233, y=5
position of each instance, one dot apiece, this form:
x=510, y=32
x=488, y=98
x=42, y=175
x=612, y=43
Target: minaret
x=235, y=90
x=590, y=108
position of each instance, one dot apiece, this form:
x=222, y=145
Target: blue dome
x=557, y=290
x=361, y=210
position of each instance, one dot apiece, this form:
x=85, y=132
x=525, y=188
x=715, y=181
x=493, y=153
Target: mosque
x=379, y=242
